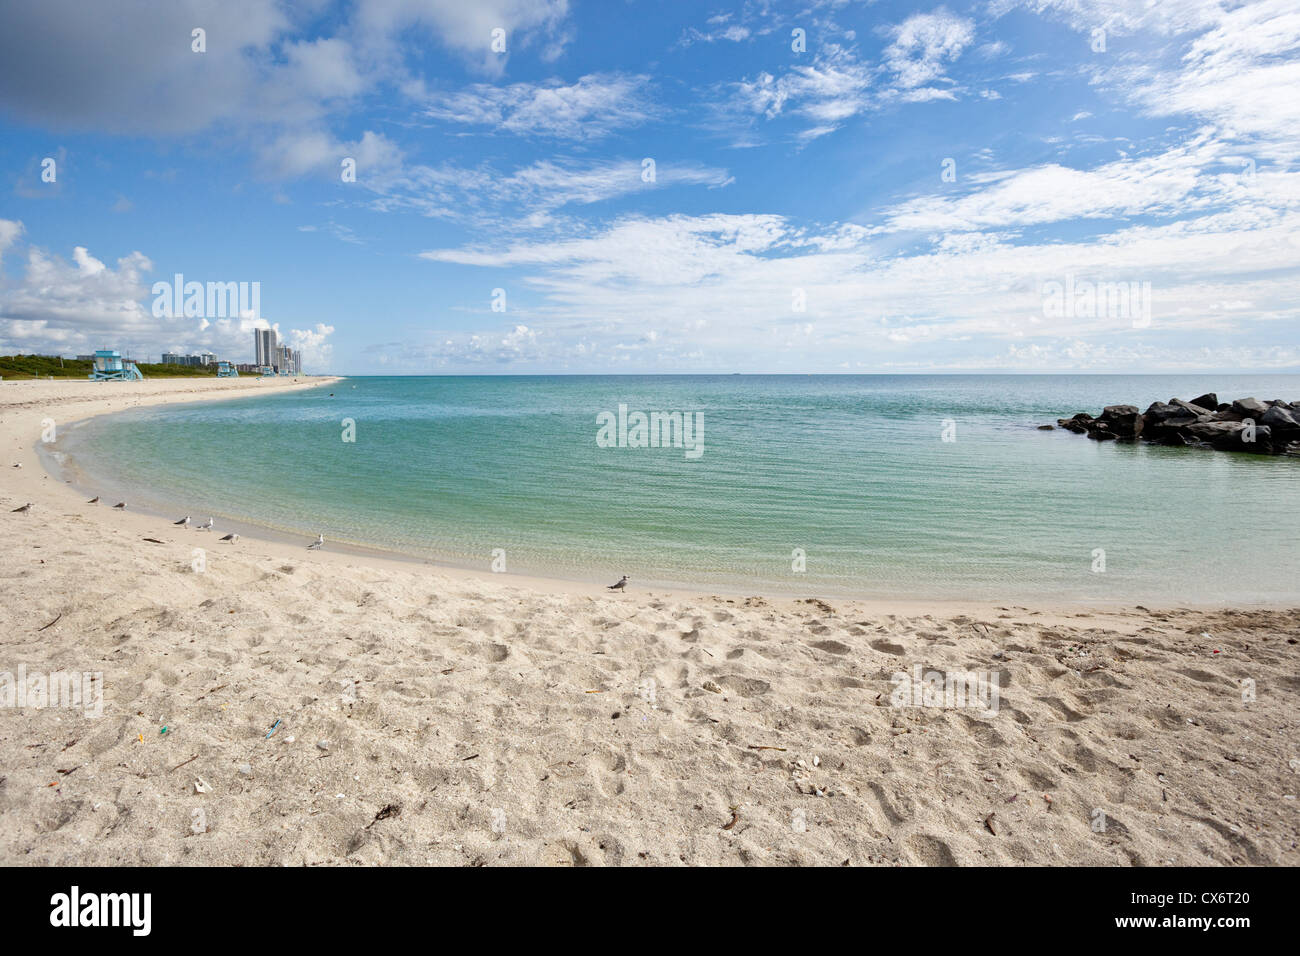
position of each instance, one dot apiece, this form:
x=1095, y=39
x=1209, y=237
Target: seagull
x=93, y=501
x=320, y=540
x=185, y=521
x=26, y=507
x=232, y=537
x=120, y=504
x=18, y=465
x=619, y=585
x=205, y=527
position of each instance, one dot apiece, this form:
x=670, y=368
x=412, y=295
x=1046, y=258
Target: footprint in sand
x=831, y=647
x=1058, y=705
x=929, y=851
x=744, y=686
x=495, y=653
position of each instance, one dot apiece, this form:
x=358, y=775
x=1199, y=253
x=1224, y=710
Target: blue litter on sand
x=272, y=730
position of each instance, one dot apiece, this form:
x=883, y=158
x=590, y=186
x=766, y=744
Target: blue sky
x=799, y=218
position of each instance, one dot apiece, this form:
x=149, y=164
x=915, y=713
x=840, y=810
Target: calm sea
x=848, y=478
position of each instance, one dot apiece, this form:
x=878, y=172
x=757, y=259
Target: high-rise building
x=264, y=344
x=286, y=360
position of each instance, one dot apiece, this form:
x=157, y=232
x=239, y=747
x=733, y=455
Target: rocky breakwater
x=1246, y=425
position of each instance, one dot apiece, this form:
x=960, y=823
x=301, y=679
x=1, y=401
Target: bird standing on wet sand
x=232, y=537
x=120, y=504
x=619, y=585
x=25, y=507
x=93, y=501
x=208, y=526
x=319, y=542
x=184, y=521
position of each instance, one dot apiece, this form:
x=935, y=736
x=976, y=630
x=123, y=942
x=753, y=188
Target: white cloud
x=825, y=93
x=317, y=353
x=923, y=45
x=1175, y=181
x=10, y=230
x=526, y=197
x=590, y=108
x=1242, y=75
x=314, y=151
x=466, y=27
x=719, y=289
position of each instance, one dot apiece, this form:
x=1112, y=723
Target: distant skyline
x=644, y=187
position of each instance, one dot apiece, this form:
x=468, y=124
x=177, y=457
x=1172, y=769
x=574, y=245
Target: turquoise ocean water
x=852, y=470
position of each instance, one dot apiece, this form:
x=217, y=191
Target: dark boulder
x=1047, y=428
x=1208, y=400
x=1233, y=436
x=1192, y=408
x=1210, y=432
x=1249, y=408
x=1283, y=421
x=1123, y=421
x=1078, y=423
x=1163, y=419
x=1158, y=411
x=1256, y=441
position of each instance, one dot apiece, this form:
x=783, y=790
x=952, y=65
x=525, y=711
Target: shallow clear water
x=851, y=469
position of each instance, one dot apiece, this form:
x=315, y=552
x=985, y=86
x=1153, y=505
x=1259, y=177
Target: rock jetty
x=1246, y=425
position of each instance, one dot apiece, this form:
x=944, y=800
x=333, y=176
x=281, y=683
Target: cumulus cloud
x=132, y=68
x=56, y=306
x=467, y=27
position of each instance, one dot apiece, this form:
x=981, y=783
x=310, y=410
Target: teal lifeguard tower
x=226, y=370
x=110, y=367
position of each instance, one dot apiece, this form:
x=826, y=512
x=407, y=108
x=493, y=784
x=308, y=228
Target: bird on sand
x=25, y=507
x=232, y=537
x=319, y=542
x=618, y=585
x=120, y=504
x=93, y=501
x=184, y=521
x=208, y=526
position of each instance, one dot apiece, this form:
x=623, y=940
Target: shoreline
x=289, y=542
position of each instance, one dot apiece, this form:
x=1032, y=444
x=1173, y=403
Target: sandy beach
x=326, y=708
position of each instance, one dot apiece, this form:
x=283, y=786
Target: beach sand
x=433, y=716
